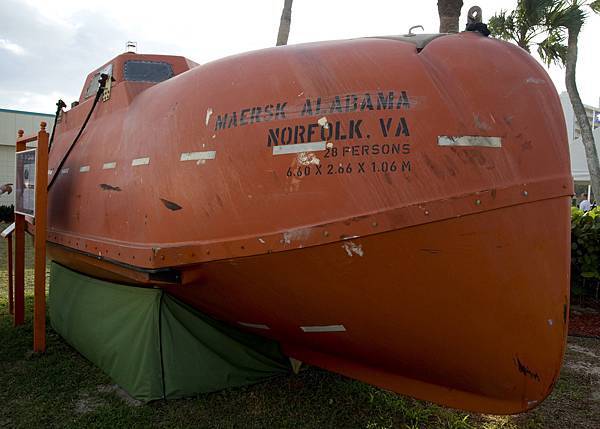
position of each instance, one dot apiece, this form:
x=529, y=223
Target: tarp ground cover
x=153, y=345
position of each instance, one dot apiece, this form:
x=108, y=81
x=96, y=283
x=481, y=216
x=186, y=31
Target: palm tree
x=284, y=24
x=449, y=12
x=573, y=21
x=527, y=23
x=547, y=24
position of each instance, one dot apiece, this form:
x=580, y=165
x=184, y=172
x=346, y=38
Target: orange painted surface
x=347, y=233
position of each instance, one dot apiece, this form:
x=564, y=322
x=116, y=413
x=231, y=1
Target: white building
x=579, y=169
x=573, y=130
x=12, y=121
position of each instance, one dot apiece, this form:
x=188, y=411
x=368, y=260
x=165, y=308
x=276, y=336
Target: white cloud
x=32, y=102
x=11, y=47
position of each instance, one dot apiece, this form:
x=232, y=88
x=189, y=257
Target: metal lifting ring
x=410, y=30
x=474, y=15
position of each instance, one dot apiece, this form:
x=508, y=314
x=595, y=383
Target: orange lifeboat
x=394, y=209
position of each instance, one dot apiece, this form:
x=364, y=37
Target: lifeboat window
x=147, y=71
x=95, y=82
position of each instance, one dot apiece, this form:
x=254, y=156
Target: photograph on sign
x=25, y=183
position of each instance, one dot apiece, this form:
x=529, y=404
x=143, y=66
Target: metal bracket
x=107, y=87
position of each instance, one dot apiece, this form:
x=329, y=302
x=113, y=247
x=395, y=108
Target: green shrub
x=585, y=251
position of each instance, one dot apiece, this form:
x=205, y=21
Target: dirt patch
x=122, y=394
x=87, y=404
x=582, y=350
x=584, y=321
x=585, y=368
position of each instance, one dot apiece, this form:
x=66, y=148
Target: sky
x=47, y=48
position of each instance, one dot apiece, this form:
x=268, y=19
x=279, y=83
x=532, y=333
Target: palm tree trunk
x=587, y=136
x=449, y=12
x=284, y=25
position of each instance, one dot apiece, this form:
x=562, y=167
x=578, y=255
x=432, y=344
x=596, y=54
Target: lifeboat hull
x=450, y=312
x=411, y=232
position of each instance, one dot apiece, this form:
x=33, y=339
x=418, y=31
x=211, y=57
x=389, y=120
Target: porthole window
x=147, y=71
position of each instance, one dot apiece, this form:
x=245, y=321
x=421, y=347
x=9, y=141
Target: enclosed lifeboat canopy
x=393, y=209
x=140, y=71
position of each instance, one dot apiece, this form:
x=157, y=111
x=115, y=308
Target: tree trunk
x=582, y=120
x=449, y=12
x=284, y=24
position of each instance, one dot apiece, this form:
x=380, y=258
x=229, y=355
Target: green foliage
x=542, y=23
x=528, y=23
x=585, y=248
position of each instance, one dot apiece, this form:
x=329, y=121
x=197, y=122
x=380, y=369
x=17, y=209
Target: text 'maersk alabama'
x=312, y=107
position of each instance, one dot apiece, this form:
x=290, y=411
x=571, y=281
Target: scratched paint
x=352, y=249
x=310, y=158
x=535, y=81
x=209, y=112
x=323, y=122
x=296, y=235
x=107, y=187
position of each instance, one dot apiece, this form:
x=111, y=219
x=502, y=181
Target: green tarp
x=153, y=345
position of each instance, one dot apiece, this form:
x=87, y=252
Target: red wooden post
x=11, y=293
x=19, y=308
x=41, y=200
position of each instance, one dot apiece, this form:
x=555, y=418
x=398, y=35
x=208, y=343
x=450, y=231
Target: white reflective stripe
x=325, y=328
x=254, y=325
x=50, y=172
x=8, y=230
x=109, y=165
x=476, y=141
x=140, y=161
x=64, y=171
x=196, y=156
x=84, y=169
x=300, y=147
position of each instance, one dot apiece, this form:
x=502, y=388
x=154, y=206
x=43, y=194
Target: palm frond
x=501, y=25
x=570, y=15
x=552, y=49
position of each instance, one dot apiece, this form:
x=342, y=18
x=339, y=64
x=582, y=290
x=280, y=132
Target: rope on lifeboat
x=102, y=80
x=59, y=106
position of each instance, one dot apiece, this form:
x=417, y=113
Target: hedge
x=585, y=251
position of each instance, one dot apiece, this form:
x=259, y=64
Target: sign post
x=31, y=205
x=41, y=203
x=19, y=306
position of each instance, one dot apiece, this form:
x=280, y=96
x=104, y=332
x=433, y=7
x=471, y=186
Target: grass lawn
x=62, y=389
